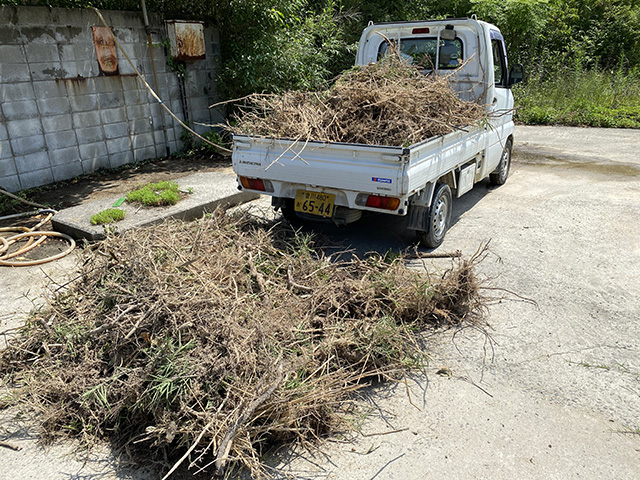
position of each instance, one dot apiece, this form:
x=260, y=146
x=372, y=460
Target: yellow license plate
x=314, y=203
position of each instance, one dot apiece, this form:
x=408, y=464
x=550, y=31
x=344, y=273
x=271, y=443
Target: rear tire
x=499, y=177
x=289, y=213
x=439, y=217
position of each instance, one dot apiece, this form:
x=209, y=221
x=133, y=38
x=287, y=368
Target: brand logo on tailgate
x=381, y=180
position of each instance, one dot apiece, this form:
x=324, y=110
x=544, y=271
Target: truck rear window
x=421, y=51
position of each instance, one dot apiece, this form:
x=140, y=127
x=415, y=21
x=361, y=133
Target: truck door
x=502, y=116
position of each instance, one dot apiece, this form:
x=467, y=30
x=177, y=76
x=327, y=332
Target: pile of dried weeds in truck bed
x=223, y=335
x=385, y=103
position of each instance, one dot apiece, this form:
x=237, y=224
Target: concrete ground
x=549, y=391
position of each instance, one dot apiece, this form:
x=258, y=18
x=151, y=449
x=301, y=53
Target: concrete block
x=79, y=86
x=211, y=190
x=42, y=53
x=14, y=72
x=84, y=50
x=66, y=54
x=33, y=16
x=89, y=135
x=8, y=15
x=20, y=110
x=70, y=34
x=5, y=149
x=118, y=145
x=49, y=89
x=12, y=54
x=31, y=162
x=108, y=84
x=67, y=171
x=113, y=115
x=38, y=34
x=56, y=123
x=87, y=68
x=87, y=119
x=129, y=83
x=136, y=127
x=58, y=140
x=15, y=92
x=28, y=145
x=10, y=183
x=96, y=163
x=47, y=70
x=64, y=155
x=54, y=106
x=136, y=97
x=36, y=178
x=83, y=103
x=145, y=153
x=116, y=130
x=9, y=35
x=110, y=100
x=143, y=140
x=3, y=132
x=24, y=128
x=7, y=165
x=127, y=35
x=122, y=158
x=135, y=112
x=92, y=151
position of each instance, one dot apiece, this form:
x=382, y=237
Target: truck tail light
x=378, y=201
x=418, y=31
x=256, y=184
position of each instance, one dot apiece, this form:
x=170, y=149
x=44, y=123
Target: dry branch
x=193, y=369
x=386, y=103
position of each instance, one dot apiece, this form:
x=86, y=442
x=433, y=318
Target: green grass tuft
x=109, y=215
x=156, y=194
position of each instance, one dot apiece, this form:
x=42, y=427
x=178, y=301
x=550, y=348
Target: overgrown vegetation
x=579, y=97
x=385, y=103
x=272, y=46
x=156, y=194
x=109, y=215
x=224, y=335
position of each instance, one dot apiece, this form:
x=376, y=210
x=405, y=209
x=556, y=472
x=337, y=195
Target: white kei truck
x=338, y=181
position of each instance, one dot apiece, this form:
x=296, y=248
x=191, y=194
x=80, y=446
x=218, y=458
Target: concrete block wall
x=60, y=117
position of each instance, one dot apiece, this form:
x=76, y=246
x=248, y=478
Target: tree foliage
x=275, y=45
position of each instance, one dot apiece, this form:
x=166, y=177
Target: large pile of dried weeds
x=221, y=336
x=386, y=103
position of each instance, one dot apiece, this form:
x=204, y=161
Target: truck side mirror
x=516, y=73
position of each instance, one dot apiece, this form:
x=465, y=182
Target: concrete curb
x=210, y=191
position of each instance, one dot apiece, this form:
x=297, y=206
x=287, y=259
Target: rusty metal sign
x=105, y=50
x=187, y=39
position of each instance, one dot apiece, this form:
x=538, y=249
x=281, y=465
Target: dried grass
x=224, y=335
x=386, y=103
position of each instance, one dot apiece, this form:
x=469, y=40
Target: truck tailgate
x=355, y=167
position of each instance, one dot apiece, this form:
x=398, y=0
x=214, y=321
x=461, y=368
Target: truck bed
x=358, y=168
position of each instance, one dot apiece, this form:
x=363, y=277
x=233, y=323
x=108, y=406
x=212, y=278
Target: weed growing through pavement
x=156, y=194
x=110, y=215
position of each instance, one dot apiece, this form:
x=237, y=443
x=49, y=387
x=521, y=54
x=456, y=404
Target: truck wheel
x=289, y=213
x=439, y=216
x=499, y=177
